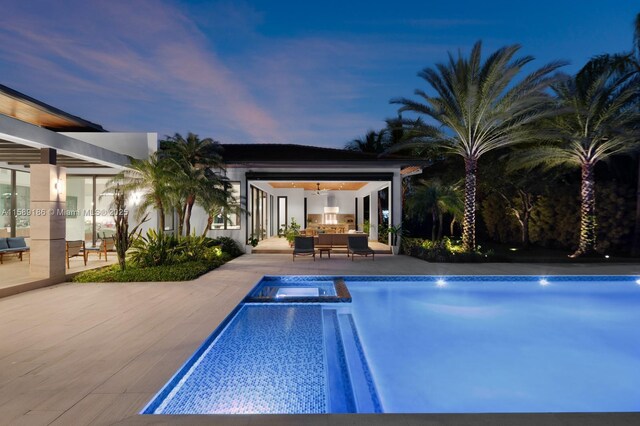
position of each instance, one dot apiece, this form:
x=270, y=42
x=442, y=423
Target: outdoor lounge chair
x=359, y=246
x=107, y=244
x=76, y=248
x=303, y=246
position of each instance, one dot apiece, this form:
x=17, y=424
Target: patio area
x=96, y=353
x=16, y=277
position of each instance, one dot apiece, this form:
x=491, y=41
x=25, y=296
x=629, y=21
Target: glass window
x=23, y=203
x=5, y=203
x=79, y=220
x=105, y=224
x=232, y=215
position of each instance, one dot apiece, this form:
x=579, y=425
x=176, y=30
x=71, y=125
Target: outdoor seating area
x=78, y=248
x=355, y=245
x=12, y=246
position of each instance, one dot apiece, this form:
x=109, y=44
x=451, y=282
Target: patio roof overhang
x=21, y=144
x=291, y=156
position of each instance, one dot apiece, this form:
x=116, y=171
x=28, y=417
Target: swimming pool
x=419, y=344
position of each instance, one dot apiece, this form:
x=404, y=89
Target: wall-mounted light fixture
x=58, y=186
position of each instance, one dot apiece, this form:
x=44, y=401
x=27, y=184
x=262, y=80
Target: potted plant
x=251, y=242
x=292, y=231
x=395, y=232
x=366, y=227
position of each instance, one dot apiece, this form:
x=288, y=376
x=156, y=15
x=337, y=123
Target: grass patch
x=185, y=271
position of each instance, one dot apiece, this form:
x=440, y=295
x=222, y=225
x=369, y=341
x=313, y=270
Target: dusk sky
x=318, y=73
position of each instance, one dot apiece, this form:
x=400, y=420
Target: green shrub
x=228, y=246
x=180, y=272
x=444, y=250
x=155, y=249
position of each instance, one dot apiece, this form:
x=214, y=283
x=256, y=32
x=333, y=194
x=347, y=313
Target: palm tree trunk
x=469, y=223
x=208, y=225
x=191, y=199
x=180, y=209
x=433, y=225
x=440, y=218
x=161, y=219
x=587, y=212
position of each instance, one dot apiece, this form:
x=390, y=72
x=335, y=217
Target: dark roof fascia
x=83, y=125
x=329, y=164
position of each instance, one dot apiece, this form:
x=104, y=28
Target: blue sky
x=318, y=73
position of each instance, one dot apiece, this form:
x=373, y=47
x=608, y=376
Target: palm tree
x=196, y=157
x=436, y=198
x=218, y=200
x=479, y=108
x=599, y=122
x=152, y=179
x=373, y=142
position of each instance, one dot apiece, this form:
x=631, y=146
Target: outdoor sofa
x=14, y=245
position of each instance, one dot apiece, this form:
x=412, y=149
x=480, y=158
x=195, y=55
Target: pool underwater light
x=543, y=281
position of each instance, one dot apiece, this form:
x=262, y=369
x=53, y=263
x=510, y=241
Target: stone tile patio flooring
x=76, y=354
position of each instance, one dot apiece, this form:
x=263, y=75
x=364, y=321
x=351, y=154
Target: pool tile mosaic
x=273, y=353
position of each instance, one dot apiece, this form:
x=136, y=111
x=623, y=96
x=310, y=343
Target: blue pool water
x=419, y=345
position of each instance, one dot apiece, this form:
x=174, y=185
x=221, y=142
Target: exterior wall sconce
x=58, y=186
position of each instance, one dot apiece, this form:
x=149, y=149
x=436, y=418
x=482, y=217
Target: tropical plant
x=629, y=63
x=436, y=198
x=217, y=200
x=228, y=245
x=395, y=231
x=480, y=108
x=292, y=230
x=366, y=226
x=155, y=249
x=153, y=180
x=598, y=123
x=253, y=240
x=373, y=142
x=123, y=237
x=197, y=158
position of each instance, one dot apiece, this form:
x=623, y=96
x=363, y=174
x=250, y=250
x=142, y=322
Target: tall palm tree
x=197, y=158
x=600, y=121
x=152, y=179
x=479, y=108
x=436, y=198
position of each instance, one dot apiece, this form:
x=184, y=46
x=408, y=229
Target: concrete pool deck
x=76, y=354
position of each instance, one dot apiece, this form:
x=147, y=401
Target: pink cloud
x=132, y=48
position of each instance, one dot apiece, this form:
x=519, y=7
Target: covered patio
x=48, y=159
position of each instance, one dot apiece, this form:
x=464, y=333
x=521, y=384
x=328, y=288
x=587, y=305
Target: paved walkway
x=77, y=354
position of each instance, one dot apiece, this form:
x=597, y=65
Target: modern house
x=54, y=168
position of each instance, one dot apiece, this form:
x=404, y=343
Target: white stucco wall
x=136, y=145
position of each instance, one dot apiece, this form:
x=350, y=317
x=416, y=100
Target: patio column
x=48, y=201
x=373, y=230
